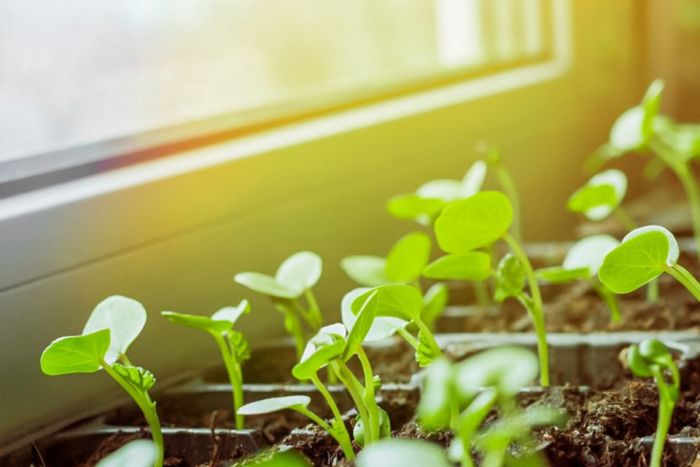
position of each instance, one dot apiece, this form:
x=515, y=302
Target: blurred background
x=154, y=149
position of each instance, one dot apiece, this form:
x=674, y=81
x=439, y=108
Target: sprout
x=645, y=254
x=460, y=396
x=295, y=277
x=582, y=262
x=602, y=196
x=480, y=221
x=404, y=303
x=652, y=359
x=332, y=347
x=113, y=325
x=232, y=345
x=139, y=453
x=642, y=128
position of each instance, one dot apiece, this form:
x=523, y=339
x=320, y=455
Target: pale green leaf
x=474, y=222
x=124, y=317
x=75, y=354
x=232, y=313
x=382, y=327
x=473, y=179
x=413, y=206
x=300, y=272
x=434, y=302
x=595, y=201
x=394, y=300
x=138, y=377
x=446, y=190
x=627, y=133
x=589, y=253
x=327, y=345
x=369, y=271
x=361, y=327
x=396, y=452
x=139, y=453
x=408, y=257
x=507, y=368
x=643, y=255
x=202, y=323
x=561, y=275
x=274, y=404
x=650, y=106
x=265, y=285
x=470, y=266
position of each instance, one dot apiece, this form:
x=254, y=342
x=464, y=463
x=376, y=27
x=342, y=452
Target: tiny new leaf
x=510, y=278
x=138, y=377
x=124, y=317
x=470, y=266
x=474, y=222
x=75, y=354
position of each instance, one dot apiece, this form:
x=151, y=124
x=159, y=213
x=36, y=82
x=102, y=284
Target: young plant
x=480, y=221
x=403, y=264
x=113, y=325
x=139, y=453
x=460, y=396
x=649, y=359
x=332, y=347
x=643, y=129
x=645, y=254
x=601, y=196
x=295, y=277
x=582, y=262
x=233, y=346
x=397, y=306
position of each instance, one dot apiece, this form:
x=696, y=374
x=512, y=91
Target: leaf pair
x=404, y=263
x=583, y=260
x=113, y=325
x=219, y=323
x=298, y=273
x=600, y=196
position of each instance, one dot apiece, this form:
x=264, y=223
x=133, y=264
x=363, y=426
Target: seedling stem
x=682, y=275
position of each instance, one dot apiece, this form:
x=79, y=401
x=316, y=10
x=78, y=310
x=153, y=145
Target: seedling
x=139, y=453
x=460, y=396
x=399, y=305
x=430, y=199
x=645, y=254
x=651, y=358
x=233, y=346
x=112, y=327
x=601, y=197
x=403, y=264
x=295, y=277
x=332, y=347
x=480, y=221
x=643, y=129
x=582, y=262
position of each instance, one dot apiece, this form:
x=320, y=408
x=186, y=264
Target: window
x=87, y=85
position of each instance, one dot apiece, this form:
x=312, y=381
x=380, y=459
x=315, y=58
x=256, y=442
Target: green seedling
x=460, y=396
x=397, y=306
x=398, y=452
x=649, y=359
x=480, y=221
x=601, y=197
x=645, y=254
x=332, y=347
x=430, y=199
x=233, y=346
x=113, y=325
x=643, y=129
x=404, y=264
x=295, y=278
x=139, y=453
x=582, y=263
x=494, y=160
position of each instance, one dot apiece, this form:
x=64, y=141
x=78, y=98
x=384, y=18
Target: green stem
x=624, y=218
x=609, y=298
x=481, y=294
x=537, y=309
x=147, y=406
x=342, y=437
x=355, y=390
x=314, y=310
x=340, y=433
x=368, y=396
x=235, y=377
x=508, y=186
x=686, y=278
x=408, y=337
x=653, y=291
x=666, y=405
x=293, y=326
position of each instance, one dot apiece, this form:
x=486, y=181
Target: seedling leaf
x=470, y=266
x=589, y=253
x=75, y=354
x=446, y=190
x=474, y=222
x=434, y=302
x=644, y=254
x=394, y=300
x=601, y=195
x=232, y=313
x=361, y=327
x=382, y=327
x=408, y=257
x=300, y=272
x=319, y=352
x=266, y=285
x=274, y=404
x=507, y=368
x=138, y=377
x=510, y=278
x=139, y=453
x=413, y=206
x=124, y=317
x=626, y=133
x=368, y=271
x=650, y=105
x=197, y=322
x=425, y=353
x=395, y=452
x=560, y=275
